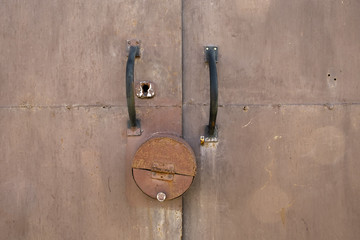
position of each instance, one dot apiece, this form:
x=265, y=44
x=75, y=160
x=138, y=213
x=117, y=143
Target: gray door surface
x=286, y=162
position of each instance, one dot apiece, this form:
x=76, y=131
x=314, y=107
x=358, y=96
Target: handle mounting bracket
x=134, y=43
x=211, y=48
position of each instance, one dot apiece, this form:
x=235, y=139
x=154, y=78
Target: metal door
x=286, y=161
x=65, y=170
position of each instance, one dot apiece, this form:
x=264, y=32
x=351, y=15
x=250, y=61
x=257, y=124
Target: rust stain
x=283, y=215
x=164, y=163
x=283, y=212
x=165, y=150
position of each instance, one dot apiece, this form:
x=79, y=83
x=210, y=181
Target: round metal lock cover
x=164, y=167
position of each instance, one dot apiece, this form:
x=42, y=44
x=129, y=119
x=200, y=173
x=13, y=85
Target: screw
x=215, y=49
x=207, y=48
x=161, y=196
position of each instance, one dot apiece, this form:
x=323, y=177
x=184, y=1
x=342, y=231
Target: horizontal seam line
x=70, y=106
x=185, y=104
x=273, y=104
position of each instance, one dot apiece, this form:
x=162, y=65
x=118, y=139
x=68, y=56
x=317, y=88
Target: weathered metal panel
x=65, y=169
x=273, y=51
x=74, y=52
x=286, y=164
x=64, y=176
x=287, y=172
x=59, y=175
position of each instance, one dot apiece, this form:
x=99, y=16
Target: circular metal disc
x=164, y=164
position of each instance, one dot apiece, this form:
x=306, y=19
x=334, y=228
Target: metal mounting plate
x=207, y=48
x=135, y=43
x=134, y=131
x=206, y=138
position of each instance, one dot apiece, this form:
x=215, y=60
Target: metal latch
x=163, y=171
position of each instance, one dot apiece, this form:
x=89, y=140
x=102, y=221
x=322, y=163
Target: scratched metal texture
x=74, y=52
x=274, y=51
x=65, y=158
x=287, y=166
x=288, y=172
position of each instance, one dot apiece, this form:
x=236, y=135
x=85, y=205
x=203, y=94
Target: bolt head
x=161, y=196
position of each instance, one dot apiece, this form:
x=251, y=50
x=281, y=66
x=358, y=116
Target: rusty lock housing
x=164, y=166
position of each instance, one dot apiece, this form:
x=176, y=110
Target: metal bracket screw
x=161, y=196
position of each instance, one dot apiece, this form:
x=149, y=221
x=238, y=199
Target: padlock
x=164, y=166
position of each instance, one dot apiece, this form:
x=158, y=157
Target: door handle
x=133, y=51
x=211, y=56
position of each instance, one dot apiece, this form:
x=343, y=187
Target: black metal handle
x=130, y=65
x=211, y=53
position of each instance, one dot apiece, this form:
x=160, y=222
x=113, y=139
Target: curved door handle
x=211, y=55
x=133, y=51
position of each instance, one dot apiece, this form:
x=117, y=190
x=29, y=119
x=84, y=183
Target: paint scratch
x=283, y=215
x=267, y=169
x=247, y=124
x=109, y=184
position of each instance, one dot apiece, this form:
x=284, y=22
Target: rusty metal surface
x=164, y=149
x=288, y=172
x=64, y=169
x=64, y=175
x=164, y=163
x=156, y=220
x=286, y=164
x=151, y=186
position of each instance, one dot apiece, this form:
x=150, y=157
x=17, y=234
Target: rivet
x=161, y=196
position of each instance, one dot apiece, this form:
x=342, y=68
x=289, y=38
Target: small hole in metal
x=328, y=74
x=145, y=88
x=334, y=79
